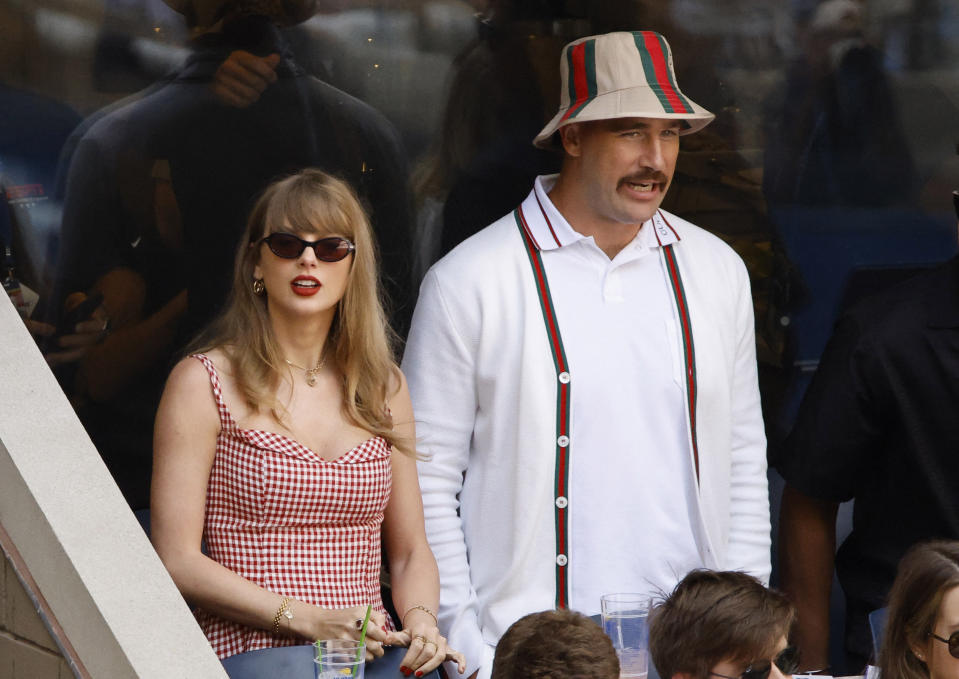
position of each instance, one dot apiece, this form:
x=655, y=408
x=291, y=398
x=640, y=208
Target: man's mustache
x=644, y=178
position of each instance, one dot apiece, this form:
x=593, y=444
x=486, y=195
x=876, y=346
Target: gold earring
x=258, y=287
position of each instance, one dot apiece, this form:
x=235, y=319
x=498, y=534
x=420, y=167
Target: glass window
x=135, y=136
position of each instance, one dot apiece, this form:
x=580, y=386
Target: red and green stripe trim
x=581, y=64
x=563, y=394
x=655, y=57
x=672, y=267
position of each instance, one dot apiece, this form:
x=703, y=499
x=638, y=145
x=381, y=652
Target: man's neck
x=610, y=236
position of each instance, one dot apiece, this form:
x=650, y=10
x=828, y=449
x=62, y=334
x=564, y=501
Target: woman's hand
x=427, y=647
x=314, y=623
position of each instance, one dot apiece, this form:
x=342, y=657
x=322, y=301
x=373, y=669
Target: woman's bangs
x=306, y=213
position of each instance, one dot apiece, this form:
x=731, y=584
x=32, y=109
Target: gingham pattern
x=288, y=520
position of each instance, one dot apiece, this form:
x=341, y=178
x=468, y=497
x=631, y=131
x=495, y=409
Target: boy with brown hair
x=555, y=644
x=722, y=624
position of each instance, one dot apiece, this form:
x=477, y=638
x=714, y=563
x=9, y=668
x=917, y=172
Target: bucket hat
x=620, y=75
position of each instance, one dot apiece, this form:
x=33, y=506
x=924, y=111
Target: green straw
x=366, y=621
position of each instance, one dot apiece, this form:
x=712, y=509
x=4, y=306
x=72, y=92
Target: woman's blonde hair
x=360, y=341
x=926, y=572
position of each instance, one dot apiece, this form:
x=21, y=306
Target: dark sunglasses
x=787, y=660
x=953, y=640
x=288, y=246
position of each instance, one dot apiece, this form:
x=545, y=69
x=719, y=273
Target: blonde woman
x=286, y=443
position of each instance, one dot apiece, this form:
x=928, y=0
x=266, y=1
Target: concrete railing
x=85, y=563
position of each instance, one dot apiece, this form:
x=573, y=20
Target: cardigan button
x=564, y=377
x=561, y=560
x=561, y=502
x=562, y=441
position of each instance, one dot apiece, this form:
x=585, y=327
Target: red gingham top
x=288, y=520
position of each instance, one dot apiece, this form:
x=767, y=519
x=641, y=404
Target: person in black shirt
x=878, y=424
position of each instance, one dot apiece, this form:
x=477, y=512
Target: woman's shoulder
x=190, y=391
x=201, y=369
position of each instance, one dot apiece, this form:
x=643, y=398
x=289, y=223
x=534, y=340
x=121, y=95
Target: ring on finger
x=421, y=638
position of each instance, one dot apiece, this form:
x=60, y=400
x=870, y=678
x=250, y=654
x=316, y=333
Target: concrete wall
x=27, y=651
x=110, y=606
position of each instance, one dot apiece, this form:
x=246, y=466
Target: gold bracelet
x=282, y=612
x=420, y=608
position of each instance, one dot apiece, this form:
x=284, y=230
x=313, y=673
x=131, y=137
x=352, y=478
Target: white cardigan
x=483, y=384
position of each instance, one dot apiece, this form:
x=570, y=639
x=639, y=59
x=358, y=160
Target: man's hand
x=242, y=78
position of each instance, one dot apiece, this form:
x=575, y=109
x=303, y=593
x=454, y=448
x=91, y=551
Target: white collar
x=549, y=230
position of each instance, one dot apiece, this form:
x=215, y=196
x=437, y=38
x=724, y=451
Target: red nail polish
x=419, y=673
x=405, y=670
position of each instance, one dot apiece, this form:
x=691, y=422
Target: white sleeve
x=749, y=528
x=439, y=367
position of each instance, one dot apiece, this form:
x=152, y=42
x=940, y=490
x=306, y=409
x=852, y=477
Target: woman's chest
x=269, y=479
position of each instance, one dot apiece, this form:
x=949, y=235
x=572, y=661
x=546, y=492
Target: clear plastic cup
x=339, y=658
x=624, y=621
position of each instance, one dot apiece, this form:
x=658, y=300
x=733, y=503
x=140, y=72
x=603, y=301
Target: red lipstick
x=305, y=285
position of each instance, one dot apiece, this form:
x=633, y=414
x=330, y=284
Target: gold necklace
x=310, y=372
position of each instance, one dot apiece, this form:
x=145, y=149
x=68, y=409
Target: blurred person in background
x=158, y=189
x=877, y=425
x=33, y=130
x=833, y=136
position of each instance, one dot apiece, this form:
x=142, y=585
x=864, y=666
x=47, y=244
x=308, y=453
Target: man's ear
x=570, y=137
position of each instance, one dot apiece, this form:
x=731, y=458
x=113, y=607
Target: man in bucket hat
x=583, y=373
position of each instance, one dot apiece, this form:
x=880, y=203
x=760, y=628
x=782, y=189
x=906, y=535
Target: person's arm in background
x=135, y=339
x=839, y=422
x=90, y=244
x=807, y=549
x=439, y=366
x=749, y=529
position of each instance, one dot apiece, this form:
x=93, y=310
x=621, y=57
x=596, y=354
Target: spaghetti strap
x=227, y=423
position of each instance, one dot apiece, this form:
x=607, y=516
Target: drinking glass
x=624, y=621
x=339, y=658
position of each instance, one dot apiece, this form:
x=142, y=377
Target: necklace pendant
x=311, y=378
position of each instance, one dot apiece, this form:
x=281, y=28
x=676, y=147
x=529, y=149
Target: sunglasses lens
x=288, y=246
x=332, y=249
x=758, y=672
x=788, y=660
x=284, y=245
x=954, y=641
